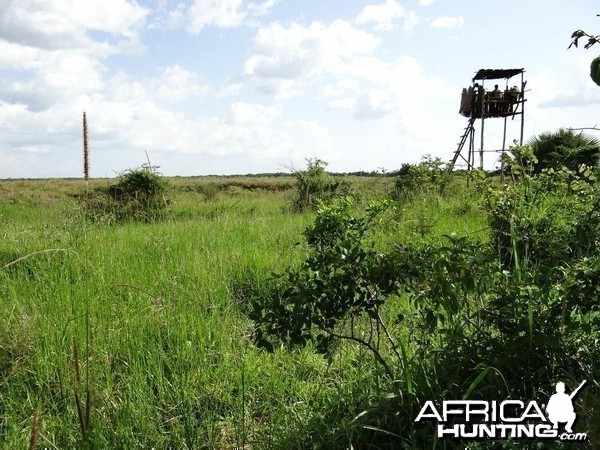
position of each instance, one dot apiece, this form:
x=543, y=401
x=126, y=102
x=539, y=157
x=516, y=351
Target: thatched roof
x=495, y=74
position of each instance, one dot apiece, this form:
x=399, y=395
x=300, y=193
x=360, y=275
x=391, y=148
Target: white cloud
x=581, y=91
x=52, y=70
x=398, y=86
x=52, y=51
x=340, y=87
x=214, y=13
x=426, y=2
x=246, y=113
x=124, y=120
x=175, y=84
x=51, y=77
x=219, y=13
x=15, y=56
x=285, y=59
x=67, y=24
x=174, y=18
x=383, y=15
x=261, y=9
x=229, y=89
x=447, y=22
x=10, y=115
x=373, y=104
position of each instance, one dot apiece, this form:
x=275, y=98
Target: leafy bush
x=315, y=185
x=564, y=148
x=504, y=319
x=342, y=278
x=139, y=194
x=139, y=185
x=543, y=217
x=429, y=176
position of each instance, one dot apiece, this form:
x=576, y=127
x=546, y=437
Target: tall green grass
x=136, y=335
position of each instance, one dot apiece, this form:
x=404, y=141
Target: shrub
x=429, y=176
x=564, y=148
x=315, y=185
x=139, y=195
x=506, y=319
x=542, y=216
x=341, y=279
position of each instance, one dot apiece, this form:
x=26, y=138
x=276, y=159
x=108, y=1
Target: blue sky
x=238, y=86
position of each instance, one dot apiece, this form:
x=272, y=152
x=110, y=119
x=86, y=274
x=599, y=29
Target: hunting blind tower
x=477, y=103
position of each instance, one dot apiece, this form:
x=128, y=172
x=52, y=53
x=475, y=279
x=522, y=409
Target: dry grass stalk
x=55, y=250
x=35, y=430
x=86, y=150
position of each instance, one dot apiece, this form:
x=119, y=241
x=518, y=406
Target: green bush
x=138, y=195
x=315, y=185
x=564, y=148
x=545, y=218
x=503, y=319
x=341, y=279
x=139, y=185
x=429, y=176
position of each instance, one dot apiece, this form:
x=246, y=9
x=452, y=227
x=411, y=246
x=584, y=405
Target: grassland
x=135, y=335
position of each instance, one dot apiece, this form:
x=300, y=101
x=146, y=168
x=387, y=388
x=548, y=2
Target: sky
x=240, y=86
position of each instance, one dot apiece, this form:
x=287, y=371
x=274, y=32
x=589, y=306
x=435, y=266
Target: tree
x=592, y=40
x=564, y=148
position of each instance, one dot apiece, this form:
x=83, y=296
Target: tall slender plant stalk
x=86, y=150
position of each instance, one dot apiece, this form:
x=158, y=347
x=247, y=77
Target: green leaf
x=476, y=382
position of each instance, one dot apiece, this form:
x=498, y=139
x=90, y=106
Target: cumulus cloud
x=383, y=15
x=447, y=22
x=53, y=69
x=245, y=113
x=373, y=104
x=252, y=130
x=176, y=83
x=261, y=9
x=579, y=91
x=52, y=76
x=341, y=62
x=220, y=13
x=52, y=51
x=61, y=24
x=287, y=60
x=53, y=65
x=125, y=124
x=284, y=59
x=213, y=13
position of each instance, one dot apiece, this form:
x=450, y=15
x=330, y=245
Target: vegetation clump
x=315, y=185
x=428, y=176
x=139, y=336
x=454, y=318
x=564, y=148
x=138, y=195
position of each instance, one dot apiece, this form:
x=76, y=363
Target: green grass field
x=136, y=335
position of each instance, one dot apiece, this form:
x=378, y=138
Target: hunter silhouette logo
x=560, y=407
x=507, y=419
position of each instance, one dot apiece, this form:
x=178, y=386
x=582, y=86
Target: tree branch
x=595, y=128
x=389, y=372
